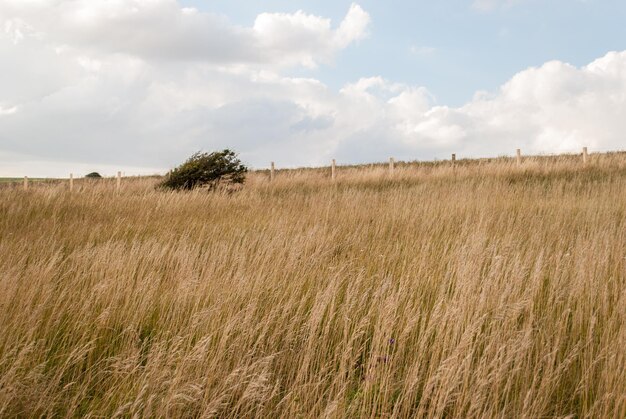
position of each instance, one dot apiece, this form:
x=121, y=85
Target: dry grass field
x=484, y=291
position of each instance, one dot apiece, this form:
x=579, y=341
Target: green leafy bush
x=93, y=175
x=207, y=170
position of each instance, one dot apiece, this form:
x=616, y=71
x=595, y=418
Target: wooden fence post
x=453, y=160
x=25, y=183
x=71, y=182
x=272, y=167
x=119, y=181
x=585, y=155
x=392, y=165
x=519, y=157
x=333, y=170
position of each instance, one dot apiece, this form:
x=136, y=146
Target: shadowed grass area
x=479, y=291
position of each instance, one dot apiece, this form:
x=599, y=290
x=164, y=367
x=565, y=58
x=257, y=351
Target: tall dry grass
x=484, y=291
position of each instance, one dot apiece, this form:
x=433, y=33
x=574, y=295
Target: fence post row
x=333, y=169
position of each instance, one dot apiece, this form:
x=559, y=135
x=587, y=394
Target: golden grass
x=485, y=291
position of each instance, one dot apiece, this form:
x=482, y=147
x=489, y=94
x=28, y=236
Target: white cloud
x=416, y=50
x=7, y=111
x=150, y=100
x=353, y=27
x=301, y=39
x=161, y=29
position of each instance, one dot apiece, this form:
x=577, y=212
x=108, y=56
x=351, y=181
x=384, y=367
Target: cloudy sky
x=139, y=85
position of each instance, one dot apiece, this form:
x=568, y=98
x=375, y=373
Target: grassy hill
x=20, y=180
x=482, y=290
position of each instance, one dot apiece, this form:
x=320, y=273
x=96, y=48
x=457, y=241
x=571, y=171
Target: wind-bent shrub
x=207, y=170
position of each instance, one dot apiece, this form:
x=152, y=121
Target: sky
x=140, y=85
